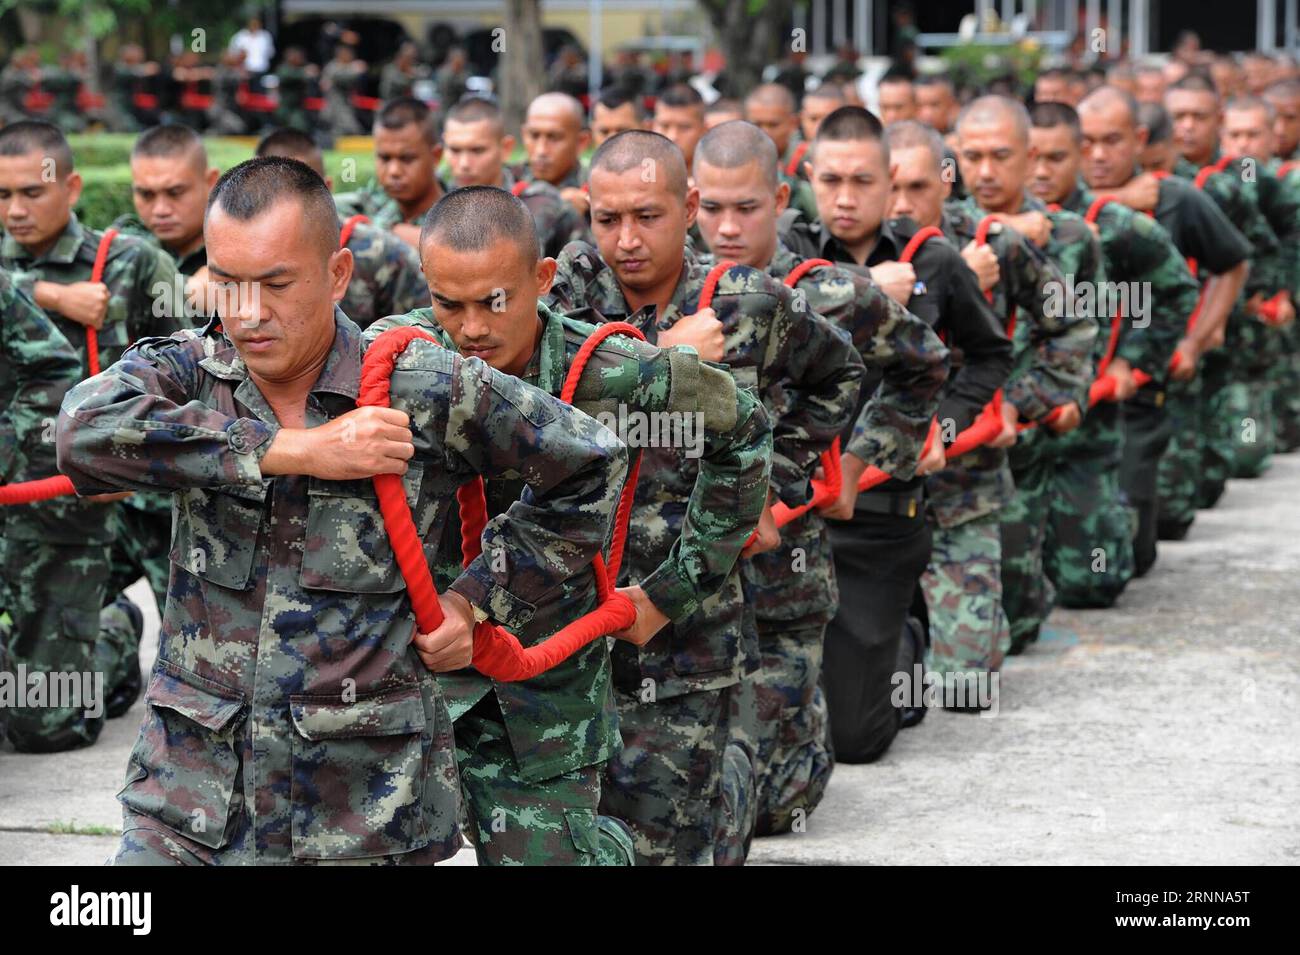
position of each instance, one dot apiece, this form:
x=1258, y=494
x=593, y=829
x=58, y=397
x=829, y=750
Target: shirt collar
x=63, y=252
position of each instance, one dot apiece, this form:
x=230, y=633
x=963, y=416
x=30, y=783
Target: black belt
x=903, y=504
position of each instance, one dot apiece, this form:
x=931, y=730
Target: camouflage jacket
x=1235, y=193
x=1052, y=342
x=129, y=224
x=557, y=222
x=286, y=685
x=146, y=299
x=565, y=718
x=576, y=177
x=386, y=276
x=376, y=205
x=37, y=365
x=907, y=366
x=1279, y=201
x=1140, y=254
x=807, y=375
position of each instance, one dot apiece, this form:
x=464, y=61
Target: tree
x=752, y=34
x=522, y=69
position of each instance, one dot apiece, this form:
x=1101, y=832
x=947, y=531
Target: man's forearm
x=1219, y=298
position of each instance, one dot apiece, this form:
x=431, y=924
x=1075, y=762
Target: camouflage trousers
x=962, y=587
x=666, y=784
x=147, y=842
x=1067, y=535
x=1217, y=430
x=515, y=821
x=1240, y=414
x=1178, y=478
x=786, y=726
x=56, y=596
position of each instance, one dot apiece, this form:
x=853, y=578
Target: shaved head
x=171, y=141
x=552, y=104
x=989, y=110
x=771, y=94
x=736, y=144
x=1104, y=97
x=476, y=217
x=647, y=150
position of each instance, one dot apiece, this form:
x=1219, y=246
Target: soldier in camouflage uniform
x=880, y=538
x=21, y=73
x=386, y=276
x=407, y=150
x=1247, y=131
x=340, y=78
x=37, y=365
x=793, y=588
x=1113, y=144
x=1053, y=342
x=555, y=136
x=1249, y=347
x=67, y=542
x=309, y=728
x=295, y=75
x=1286, y=393
x=772, y=109
x=1085, y=556
x=170, y=182
x=476, y=145
x=531, y=754
x=398, y=78
x=674, y=695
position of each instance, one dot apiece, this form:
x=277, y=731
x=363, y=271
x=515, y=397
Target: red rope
x=97, y=275
x=497, y=653
x=349, y=226
x=28, y=492
x=792, y=167
x=519, y=188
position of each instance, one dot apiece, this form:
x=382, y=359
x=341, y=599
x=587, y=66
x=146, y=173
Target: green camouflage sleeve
x=1240, y=203
x=37, y=366
x=468, y=417
x=732, y=440
x=1054, y=346
x=891, y=428
x=809, y=357
x=1280, y=203
x=386, y=276
x=1145, y=256
x=136, y=426
x=152, y=307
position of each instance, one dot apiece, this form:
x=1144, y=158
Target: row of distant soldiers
x=1106, y=298
x=222, y=98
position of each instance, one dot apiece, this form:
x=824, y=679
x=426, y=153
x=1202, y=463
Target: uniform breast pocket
x=359, y=774
x=184, y=770
x=215, y=533
x=347, y=546
x=114, y=333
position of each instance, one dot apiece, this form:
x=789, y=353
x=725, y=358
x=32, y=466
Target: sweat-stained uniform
x=881, y=552
x=37, y=365
x=290, y=719
x=531, y=754
x=674, y=694
x=69, y=560
x=793, y=588
x=1067, y=536
x=1159, y=411
x=1053, y=341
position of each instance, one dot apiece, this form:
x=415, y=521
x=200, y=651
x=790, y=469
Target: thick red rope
x=519, y=188
x=497, y=653
x=792, y=167
x=349, y=225
x=97, y=275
